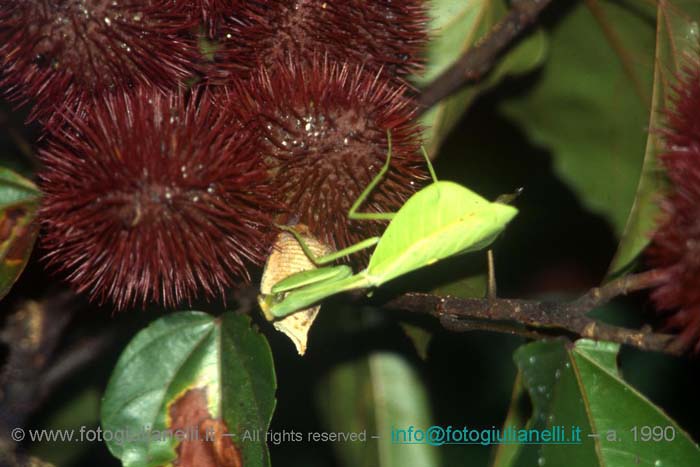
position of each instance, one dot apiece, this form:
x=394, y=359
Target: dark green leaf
x=419, y=336
x=590, y=105
x=472, y=286
x=80, y=410
x=676, y=34
x=580, y=386
x=504, y=455
x=177, y=358
x=19, y=200
x=456, y=25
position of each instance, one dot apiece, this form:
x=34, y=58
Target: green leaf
x=676, y=34
x=419, y=336
x=190, y=370
x=590, y=105
x=81, y=410
x=504, y=455
x=372, y=395
x=16, y=190
x=472, y=286
x=19, y=201
x=455, y=26
x=580, y=386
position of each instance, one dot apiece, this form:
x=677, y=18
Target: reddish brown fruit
x=153, y=198
x=59, y=52
x=675, y=248
x=213, y=12
x=323, y=133
x=379, y=34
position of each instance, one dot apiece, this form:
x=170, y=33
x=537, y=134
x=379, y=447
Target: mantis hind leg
x=491, y=281
x=320, y=261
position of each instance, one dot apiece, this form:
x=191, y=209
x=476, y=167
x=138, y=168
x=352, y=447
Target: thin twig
x=478, y=61
x=73, y=359
x=536, y=319
x=32, y=333
x=622, y=286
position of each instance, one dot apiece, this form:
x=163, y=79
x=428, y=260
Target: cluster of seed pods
x=179, y=133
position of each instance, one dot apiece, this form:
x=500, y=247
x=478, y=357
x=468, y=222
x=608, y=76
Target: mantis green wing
x=442, y=220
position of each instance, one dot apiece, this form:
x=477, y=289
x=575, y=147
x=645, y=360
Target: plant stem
x=536, y=319
x=622, y=286
x=480, y=59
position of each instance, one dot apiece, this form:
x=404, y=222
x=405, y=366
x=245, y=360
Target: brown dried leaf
x=205, y=444
x=286, y=259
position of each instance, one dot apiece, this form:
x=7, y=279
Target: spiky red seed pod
x=59, y=52
x=379, y=34
x=213, y=12
x=323, y=133
x=154, y=198
x=675, y=248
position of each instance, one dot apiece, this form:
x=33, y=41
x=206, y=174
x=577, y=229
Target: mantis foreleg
x=312, y=276
x=306, y=296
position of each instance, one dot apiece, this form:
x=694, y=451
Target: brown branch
x=478, y=61
x=535, y=319
x=72, y=360
x=622, y=286
x=32, y=333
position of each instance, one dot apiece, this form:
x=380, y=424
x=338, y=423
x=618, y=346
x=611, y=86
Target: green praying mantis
x=443, y=219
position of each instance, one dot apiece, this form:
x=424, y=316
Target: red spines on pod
x=380, y=34
x=57, y=53
x=323, y=134
x=675, y=247
x=153, y=198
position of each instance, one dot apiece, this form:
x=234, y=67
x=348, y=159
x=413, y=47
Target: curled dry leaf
x=288, y=258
